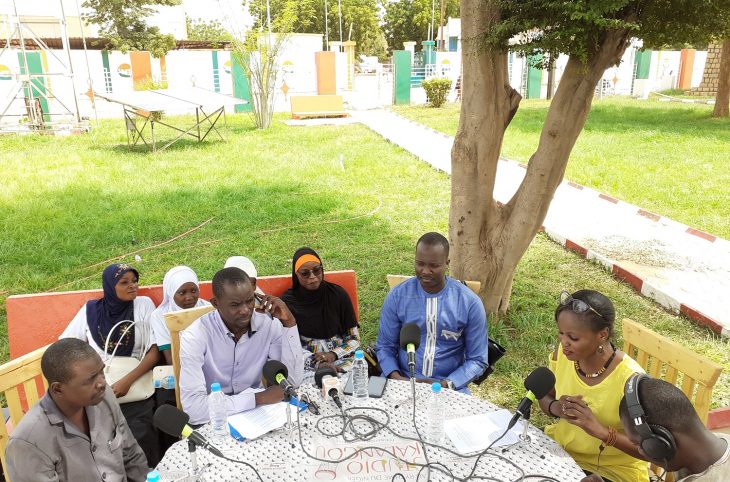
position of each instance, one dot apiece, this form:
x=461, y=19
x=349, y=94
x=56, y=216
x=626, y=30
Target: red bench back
x=38, y=319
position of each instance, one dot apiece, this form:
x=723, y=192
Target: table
x=276, y=459
x=150, y=105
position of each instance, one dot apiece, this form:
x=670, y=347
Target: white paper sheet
x=476, y=432
x=262, y=419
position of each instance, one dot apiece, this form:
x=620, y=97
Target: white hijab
x=174, y=279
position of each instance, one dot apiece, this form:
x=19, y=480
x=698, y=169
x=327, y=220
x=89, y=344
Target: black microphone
x=326, y=379
x=275, y=373
x=322, y=372
x=175, y=422
x=538, y=384
x=410, y=339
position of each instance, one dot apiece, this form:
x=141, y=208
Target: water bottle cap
x=153, y=476
x=215, y=387
x=359, y=354
x=436, y=387
x=158, y=384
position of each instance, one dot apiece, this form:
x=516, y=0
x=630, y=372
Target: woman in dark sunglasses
x=325, y=316
x=590, y=375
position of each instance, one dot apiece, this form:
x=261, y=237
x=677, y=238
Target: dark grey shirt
x=46, y=446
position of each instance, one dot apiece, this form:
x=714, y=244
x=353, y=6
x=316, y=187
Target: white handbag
x=115, y=368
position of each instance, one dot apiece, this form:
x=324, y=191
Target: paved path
x=683, y=269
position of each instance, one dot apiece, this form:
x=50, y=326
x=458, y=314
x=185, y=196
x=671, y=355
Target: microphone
x=410, y=339
x=322, y=372
x=175, y=422
x=326, y=378
x=331, y=387
x=538, y=384
x=275, y=373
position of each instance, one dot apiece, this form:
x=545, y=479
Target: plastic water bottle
x=360, y=377
x=218, y=411
x=169, y=382
x=435, y=415
x=153, y=476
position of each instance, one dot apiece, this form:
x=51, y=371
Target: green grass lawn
x=70, y=204
x=668, y=158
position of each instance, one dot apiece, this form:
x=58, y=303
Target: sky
x=230, y=13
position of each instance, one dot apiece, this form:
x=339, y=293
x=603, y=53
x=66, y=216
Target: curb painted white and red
x=717, y=418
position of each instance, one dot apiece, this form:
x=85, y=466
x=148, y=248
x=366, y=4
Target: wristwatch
x=446, y=383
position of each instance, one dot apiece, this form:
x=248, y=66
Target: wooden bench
x=38, y=319
x=306, y=106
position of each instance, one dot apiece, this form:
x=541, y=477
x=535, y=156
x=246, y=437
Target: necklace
x=597, y=373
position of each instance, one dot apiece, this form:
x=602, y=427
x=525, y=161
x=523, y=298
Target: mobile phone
x=376, y=386
x=348, y=386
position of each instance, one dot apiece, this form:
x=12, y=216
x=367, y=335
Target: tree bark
x=722, y=100
x=488, y=239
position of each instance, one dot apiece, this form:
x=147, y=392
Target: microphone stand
x=289, y=423
x=195, y=474
x=524, y=437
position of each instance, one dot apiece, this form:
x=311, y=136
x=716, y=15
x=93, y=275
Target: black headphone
x=656, y=441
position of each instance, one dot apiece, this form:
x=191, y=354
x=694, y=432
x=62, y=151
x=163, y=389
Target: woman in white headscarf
x=181, y=291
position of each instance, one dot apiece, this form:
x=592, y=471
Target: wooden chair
x=396, y=279
x=176, y=322
x=26, y=372
x=495, y=350
x=665, y=359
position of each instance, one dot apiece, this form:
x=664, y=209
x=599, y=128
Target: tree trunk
x=722, y=100
x=488, y=239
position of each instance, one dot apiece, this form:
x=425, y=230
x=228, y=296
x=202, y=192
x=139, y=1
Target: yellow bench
x=303, y=106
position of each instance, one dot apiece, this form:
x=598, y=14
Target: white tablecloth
x=276, y=459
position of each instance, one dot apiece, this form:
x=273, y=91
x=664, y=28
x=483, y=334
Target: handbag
x=116, y=367
x=371, y=357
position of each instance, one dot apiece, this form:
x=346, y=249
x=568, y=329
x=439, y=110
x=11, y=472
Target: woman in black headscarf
x=325, y=317
x=93, y=324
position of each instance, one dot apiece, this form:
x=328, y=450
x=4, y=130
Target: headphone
x=656, y=441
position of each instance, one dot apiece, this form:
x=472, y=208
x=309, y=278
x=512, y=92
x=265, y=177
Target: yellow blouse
x=603, y=399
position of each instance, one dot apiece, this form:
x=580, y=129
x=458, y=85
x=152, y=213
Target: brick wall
x=710, y=77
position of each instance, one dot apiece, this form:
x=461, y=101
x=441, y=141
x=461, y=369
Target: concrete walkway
x=683, y=269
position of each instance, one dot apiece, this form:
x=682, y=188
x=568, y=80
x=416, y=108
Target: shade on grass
x=70, y=204
x=668, y=158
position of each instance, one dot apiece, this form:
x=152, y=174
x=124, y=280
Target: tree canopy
x=409, y=20
x=199, y=29
x=577, y=28
x=308, y=16
x=123, y=24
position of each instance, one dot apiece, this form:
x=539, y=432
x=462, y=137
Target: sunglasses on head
x=306, y=273
x=578, y=306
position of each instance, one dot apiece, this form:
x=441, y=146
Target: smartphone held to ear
x=376, y=386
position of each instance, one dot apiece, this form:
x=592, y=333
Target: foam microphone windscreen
x=410, y=333
x=322, y=372
x=540, y=382
x=272, y=368
x=170, y=420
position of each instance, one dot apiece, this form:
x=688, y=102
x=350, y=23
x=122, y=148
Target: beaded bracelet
x=550, y=408
x=610, y=439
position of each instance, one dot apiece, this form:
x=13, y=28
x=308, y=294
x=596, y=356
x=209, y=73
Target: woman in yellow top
x=590, y=376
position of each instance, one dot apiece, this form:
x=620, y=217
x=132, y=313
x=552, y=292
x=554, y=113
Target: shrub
x=437, y=88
